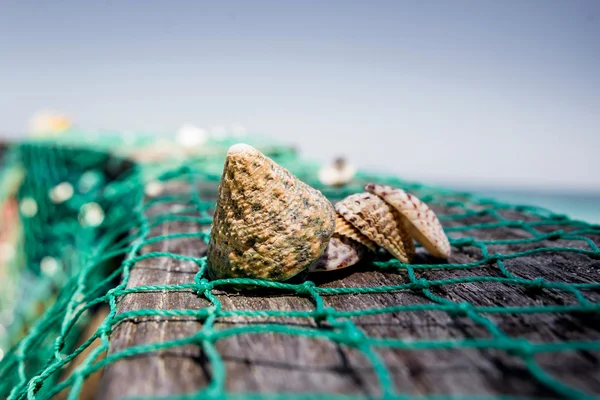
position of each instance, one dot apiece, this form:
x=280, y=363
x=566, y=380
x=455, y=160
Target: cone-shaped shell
x=423, y=225
x=346, y=229
x=341, y=252
x=267, y=223
x=379, y=222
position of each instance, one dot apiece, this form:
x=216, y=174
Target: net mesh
x=81, y=249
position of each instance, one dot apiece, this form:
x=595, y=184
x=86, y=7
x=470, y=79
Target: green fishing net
x=86, y=216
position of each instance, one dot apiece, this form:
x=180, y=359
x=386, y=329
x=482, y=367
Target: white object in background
x=49, y=123
x=190, y=135
x=28, y=207
x=61, y=192
x=338, y=173
x=153, y=188
x=91, y=214
x=49, y=265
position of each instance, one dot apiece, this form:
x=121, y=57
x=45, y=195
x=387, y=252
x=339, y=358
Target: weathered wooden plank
x=171, y=371
x=272, y=362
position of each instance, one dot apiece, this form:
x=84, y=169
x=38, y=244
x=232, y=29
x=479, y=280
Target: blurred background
x=500, y=98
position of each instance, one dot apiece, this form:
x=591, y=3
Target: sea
x=578, y=206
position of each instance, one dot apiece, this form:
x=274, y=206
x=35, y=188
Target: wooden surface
x=274, y=363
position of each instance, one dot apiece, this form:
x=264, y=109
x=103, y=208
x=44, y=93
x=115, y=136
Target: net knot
x=306, y=288
x=556, y=235
x=463, y=309
x=203, y=285
x=519, y=347
x=322, y=314
x=495, y=257
x=206, y=334
x=421, y=284
x=354, y=337
x=537, y=283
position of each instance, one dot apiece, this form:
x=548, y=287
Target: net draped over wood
x=80, y=253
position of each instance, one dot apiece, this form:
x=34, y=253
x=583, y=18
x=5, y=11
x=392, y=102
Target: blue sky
x=482, y=92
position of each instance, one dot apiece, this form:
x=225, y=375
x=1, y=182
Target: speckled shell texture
x=346, y=229
x=341, y=252
x=379, y=222
x=267, y=223
x=423, y=225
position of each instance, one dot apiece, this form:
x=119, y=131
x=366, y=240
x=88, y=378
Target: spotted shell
x=341, y=252
x=379, y=222
x=346, y=229
x=423, y=224
x=267, y=223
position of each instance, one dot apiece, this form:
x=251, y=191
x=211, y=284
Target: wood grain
x=273, y=363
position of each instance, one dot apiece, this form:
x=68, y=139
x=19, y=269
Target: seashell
x=267, y=224
x=423, y=224
x=337, y=173
x=346, y=229
x=379, y=222
x=341, y=252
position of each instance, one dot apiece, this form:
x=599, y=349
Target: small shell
x=379, y=222
x=337, y=173
x=423, y=224
x=346, y=229
x=267, y=223
x=341, y=252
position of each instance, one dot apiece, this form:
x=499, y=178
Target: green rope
x=34, y=366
